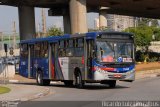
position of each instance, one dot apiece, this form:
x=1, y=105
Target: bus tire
x=112, y=83
x=78, y=80
x=46, y=82
x=68, y=83
x=39, y=78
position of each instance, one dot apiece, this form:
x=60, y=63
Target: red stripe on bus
x=52, y=70
x=107, y=69
x=82, y=60
x=103, y=68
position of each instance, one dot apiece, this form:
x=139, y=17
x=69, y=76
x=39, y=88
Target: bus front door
x=54, y=66
x=31, y=72
x=90, y=48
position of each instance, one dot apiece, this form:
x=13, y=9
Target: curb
x=13, y=81
x=36, y=96
x=45, y=92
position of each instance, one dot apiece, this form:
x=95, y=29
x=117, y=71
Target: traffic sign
x=11, y=51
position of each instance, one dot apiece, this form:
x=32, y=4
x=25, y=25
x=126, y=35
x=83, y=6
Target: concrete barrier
x=7, y=72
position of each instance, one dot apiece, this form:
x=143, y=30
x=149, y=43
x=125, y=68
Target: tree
x=143, y=36
x=156, y=33
x=54, y=31
x=147, y=21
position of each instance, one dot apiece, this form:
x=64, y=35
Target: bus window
x=70, y=43
x=66, y=43
x=62, y=52
x=69, y=52
x=75, y=43
x=24, y=50
x=37, y=50
x=79, y=49
x=32, y=51
x=44, y=50
x=79, y=52
x=80, y=43
x=61, y=44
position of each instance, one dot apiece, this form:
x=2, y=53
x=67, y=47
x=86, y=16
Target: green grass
x=4, y=90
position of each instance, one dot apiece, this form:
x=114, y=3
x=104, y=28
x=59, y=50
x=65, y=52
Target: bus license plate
x=117, y=75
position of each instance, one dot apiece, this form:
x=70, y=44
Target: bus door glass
x=53, y=60
x=23, y=66
x=31, y=59
x=90, y=55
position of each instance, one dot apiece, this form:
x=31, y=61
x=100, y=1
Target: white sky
x=9, y=14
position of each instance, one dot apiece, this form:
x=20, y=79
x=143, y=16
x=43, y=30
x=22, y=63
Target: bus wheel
x=112, y=83
x=41, y=81
x=39, y=78
x=46, y=82
x=68, y=83
x=78, y=80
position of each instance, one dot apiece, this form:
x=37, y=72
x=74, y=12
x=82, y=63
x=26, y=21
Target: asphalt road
x=140, y=90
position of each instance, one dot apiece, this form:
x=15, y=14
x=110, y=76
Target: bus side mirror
x=102, y=52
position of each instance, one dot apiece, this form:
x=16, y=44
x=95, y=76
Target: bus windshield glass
x=114, y=51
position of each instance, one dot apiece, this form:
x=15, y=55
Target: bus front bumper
x=104, y=75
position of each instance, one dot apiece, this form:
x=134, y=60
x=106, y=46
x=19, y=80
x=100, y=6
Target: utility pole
x=1, y=34
x=38, y=30
x=14, y=34
x=44, y=30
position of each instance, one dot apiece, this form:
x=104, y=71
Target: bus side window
x=37, y=50
x=43, y=49
x=80, y=42
x=76, y=42
x=71, y=44
x=32, y=51
x=79, y=49
x=61, y=44
x=24, y=50
x=61, y=50
x=69, y=48
x=66, y=43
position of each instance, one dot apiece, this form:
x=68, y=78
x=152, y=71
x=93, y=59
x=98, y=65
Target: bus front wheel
x=112, y=83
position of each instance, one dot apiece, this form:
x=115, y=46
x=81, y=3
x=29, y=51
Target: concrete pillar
x=26, y=22
x=78, y=15
x=67, y=23
x=102, y=18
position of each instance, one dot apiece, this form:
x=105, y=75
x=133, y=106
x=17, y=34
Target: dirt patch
x=22, y=79
x=148, y=66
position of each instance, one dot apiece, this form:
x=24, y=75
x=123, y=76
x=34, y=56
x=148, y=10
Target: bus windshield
x=114, y=51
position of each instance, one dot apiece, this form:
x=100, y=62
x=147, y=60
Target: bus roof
x=92, y=35
x=49, y=39
x=89, y=35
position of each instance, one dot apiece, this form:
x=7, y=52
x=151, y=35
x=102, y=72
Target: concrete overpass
x=74, y=12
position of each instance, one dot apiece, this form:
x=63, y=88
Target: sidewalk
x=23, y=89
x=19, y=79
